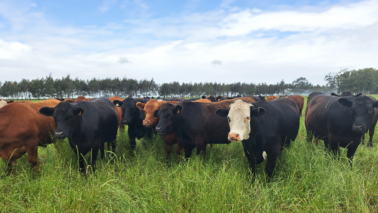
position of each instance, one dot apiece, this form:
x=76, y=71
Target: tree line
x=363, y=80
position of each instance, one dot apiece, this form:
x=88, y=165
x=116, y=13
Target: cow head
x=66, y=117
x=148, y=109
x=363, y=112
x=239, y=118
x=168, y=115
x=130, y=111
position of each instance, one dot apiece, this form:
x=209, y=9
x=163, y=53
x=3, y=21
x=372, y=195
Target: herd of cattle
x=264, y=126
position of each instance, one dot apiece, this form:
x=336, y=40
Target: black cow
x=372, y=127
x=195, y=124
x=88, y=125
x=133, y=117
x=263, y=127
x=340, y=121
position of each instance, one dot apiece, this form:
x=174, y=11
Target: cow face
x=239, y=117
x=168, y=118
x=130, y=111
x=66, y=117
x=363, y=112
x=148, y=109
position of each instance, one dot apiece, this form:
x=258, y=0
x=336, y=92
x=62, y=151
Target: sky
x=222, y=41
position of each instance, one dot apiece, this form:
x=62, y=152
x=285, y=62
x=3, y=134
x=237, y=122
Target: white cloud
x=183, y=47
x=13, y=50
x=216, y=62
x=106, y=5
x=350, y=16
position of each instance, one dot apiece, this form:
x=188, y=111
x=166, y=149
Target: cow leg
x=33, y=156
x=371, y=134
x=94, y=158
x=188, y=152
x=350, y=153
x=334, y=147
x=114, y=145
x=102, y=150
x=81, y=162
x=179, y=149
x=169, y=151
x=201, y=148
x=251, y=160
x=309, y=136
x=272, y=160
x=132, y=135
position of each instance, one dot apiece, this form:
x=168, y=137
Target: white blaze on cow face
x=239, y=121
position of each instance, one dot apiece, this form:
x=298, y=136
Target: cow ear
x=48, y=111
x=156, y=113
x=223, y=113
x=345, y=102
x=375, y=104
x=257, y=112
x=117, y=102
x=79, y=111
x=178, y=108
x=140, y=105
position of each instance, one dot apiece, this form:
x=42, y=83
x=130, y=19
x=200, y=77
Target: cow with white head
x=263, y=128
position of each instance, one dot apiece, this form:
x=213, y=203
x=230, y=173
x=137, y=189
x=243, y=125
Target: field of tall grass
x=306, y=179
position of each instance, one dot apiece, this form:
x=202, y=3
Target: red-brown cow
x=299, y=100
x=23, y=129
x=82, y=98
x=271, y=98
x=119, y=112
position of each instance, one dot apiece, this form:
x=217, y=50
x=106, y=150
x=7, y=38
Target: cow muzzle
x=159, y=130
x=59, y=135
x=147, y=123
x=233, y=137
x=358, y=129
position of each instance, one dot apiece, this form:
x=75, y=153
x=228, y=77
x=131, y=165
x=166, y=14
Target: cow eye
x=370, y=111
x=247, y=118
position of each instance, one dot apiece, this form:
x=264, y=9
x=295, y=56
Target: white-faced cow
x=263, y=127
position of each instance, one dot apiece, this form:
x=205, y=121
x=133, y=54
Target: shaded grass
x=307, y=179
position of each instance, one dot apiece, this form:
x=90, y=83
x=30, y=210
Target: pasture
x=306, y=179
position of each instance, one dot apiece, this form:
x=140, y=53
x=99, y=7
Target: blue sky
x=187, y=41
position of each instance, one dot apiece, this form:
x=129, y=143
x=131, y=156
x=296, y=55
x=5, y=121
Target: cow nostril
x=236, y=135
x=158, y=128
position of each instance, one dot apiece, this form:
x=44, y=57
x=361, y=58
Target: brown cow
x=271, y=98
x=299, y=100
x=150, y=121
x=82, y=98
x=23, y=129
x=119, y=112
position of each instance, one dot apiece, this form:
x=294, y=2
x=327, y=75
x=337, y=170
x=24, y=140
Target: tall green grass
x=306, y=179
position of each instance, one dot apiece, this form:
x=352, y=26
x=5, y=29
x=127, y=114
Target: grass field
x=307, y=179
